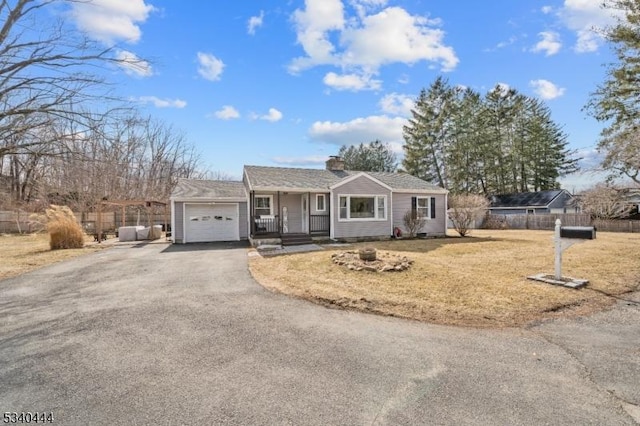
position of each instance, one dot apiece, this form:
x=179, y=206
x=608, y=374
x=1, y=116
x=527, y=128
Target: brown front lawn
x=477, y=281
x=23, y=253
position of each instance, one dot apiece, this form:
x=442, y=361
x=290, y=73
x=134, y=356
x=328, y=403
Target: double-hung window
x=263, y=205
x=423, y=207
x=320, y=203
x=363, y=207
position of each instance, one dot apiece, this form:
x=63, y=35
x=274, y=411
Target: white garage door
x=205, y=223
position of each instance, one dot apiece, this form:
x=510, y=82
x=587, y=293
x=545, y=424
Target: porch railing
x=265, y=225
x=319, y=224
x=270, y=225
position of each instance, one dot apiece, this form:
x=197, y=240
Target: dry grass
x=24, y=253
x=477, y=281
x=64, y=230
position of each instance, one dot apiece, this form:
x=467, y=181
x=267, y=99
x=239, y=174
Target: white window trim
x=324, y=202
x=270, y=197
x=428, y=215
x=375, y=207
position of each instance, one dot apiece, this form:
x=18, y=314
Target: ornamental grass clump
x=64, y=230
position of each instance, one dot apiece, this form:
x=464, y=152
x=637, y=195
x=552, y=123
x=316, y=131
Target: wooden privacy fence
x=14, y=222
x=547, y=222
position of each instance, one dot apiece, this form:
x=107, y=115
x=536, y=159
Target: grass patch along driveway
x=476, y=281
x=24, y=253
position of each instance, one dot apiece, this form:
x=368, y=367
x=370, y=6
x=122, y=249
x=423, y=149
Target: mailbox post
x=571, y=236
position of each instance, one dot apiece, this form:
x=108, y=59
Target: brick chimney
x=335, y=163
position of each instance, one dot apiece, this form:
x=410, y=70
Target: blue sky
x=287, y=83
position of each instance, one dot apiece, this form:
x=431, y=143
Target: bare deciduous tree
x=604, y=202
x=46, y=78
x=465, y=209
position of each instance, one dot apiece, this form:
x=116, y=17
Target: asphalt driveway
x=158, y=334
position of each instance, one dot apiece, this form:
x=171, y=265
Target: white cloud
x=360, y=130
x=273, y=116
x=163, y=103
x=111, y=21
x=546, y=9
x=502, y=44
x=312, y=27
x=133, y=65
x=393, y=35
x=210, y=67
x=227, y=113
x=546, y=89
x=397, y=104
x=361, y=44
x=255, y=22
x=353, y=82
x=590, y=158
x=549, y=43
x=584, y=18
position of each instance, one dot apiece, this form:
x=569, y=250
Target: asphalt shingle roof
x=404, y=181
x=525, y=199
x=191, y=188
x=279, y=178
x=261, y=177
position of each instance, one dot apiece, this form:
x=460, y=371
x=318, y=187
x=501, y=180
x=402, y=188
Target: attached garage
x=208, y=223
x=205, y=211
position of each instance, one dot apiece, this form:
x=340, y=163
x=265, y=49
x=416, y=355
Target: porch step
x=295, y=239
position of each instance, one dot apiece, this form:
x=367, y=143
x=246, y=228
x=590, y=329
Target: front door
x=305, y=213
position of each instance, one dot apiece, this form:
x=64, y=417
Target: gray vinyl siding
x=560, y=202
x=365, y=228
x=433, y=227
x=327, y=201
x=243, y=221
x=178, y=232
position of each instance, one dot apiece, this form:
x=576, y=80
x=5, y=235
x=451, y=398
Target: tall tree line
x=501, y=142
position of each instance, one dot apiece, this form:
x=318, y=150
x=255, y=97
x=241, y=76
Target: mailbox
x=578, y=232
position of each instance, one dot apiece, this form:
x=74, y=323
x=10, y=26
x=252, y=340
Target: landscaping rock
x=382, y=261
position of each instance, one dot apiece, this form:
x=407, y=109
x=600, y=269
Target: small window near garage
x=263, y=205
x=531, y=211
x=320, y=203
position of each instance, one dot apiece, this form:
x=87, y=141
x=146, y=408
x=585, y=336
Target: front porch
x=278, y=214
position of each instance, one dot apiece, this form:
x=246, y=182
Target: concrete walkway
x=160, y=334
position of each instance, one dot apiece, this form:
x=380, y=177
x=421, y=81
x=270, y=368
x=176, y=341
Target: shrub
x=413, y=222
x=64, y=230
x=465, y=209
